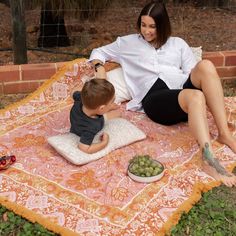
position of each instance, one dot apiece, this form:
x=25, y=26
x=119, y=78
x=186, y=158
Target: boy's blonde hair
x=97, y=92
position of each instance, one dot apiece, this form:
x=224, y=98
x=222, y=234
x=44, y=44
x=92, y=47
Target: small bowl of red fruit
x=6, y=161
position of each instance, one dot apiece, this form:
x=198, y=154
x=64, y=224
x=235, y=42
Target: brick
x=1, y=89
x=229, y=78
x=21, y=87
x=216, y=58
x=227, y=71
x=41, y=71
x=9, y=73
x=230, y=57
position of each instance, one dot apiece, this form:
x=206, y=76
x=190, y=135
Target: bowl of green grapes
x=142, y=168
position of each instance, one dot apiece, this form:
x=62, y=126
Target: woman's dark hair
x=158, y=12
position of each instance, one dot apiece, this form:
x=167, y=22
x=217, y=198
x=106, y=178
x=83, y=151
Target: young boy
x=87, y=114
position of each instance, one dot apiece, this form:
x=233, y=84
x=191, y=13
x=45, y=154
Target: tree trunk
x=52, y=28
x=19, y=31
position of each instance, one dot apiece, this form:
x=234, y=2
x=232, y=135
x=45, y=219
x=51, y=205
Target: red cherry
x=3, y=162
x=13, y=158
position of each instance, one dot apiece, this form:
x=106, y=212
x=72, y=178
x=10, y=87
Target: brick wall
x=27, y=78
x=224, y=61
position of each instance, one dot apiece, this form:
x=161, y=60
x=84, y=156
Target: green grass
x=213, y=215
x=14, y=225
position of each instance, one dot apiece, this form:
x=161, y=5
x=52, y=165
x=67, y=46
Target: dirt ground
x=212, y=28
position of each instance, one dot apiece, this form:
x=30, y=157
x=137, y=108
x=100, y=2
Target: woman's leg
x=193, y=102
x=205, y=77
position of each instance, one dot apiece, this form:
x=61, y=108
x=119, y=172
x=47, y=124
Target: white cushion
x=121, y=133
x=116, y=77
x=197, y=52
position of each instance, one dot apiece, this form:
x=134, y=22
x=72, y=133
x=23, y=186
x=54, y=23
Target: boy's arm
x=112, y=114
x=95, y=147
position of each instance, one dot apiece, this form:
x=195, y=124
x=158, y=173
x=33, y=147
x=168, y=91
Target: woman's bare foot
x=228, y=140
x=229, y=181
x=212, y=167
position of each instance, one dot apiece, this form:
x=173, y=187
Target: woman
x=165, y=81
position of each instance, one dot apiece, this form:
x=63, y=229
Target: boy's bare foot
x=229, y=180
x=229, y=140
x=212, y=167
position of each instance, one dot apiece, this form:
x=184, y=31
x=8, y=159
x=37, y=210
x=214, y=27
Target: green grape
x=135, y=166
x=154, y=164
x=141, y=163
x=155, y=172
x=149, y=162
x=148, y=174
x=140, y=170
x=151, y=168
x=158, y=169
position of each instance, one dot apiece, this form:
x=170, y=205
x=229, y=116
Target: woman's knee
x=197, y=97
x=202, y=72
x=205, y=66
x=191, y=98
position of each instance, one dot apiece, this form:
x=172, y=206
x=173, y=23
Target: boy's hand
x=104, y=138
x=95, y=147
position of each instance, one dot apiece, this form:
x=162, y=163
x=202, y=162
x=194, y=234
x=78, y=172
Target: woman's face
x=148, y=29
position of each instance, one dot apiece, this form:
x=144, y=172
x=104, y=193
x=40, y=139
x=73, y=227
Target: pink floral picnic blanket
x=99, y=198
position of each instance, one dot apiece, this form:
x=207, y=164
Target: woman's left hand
x=101, y=73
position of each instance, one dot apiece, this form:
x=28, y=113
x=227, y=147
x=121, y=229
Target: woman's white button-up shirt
x=142, y=64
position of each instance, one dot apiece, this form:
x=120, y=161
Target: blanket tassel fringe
x=34, y=217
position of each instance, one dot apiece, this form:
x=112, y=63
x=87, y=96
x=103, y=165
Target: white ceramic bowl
x=146, y=179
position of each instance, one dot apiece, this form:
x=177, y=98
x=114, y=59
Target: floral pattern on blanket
x=98, y=198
